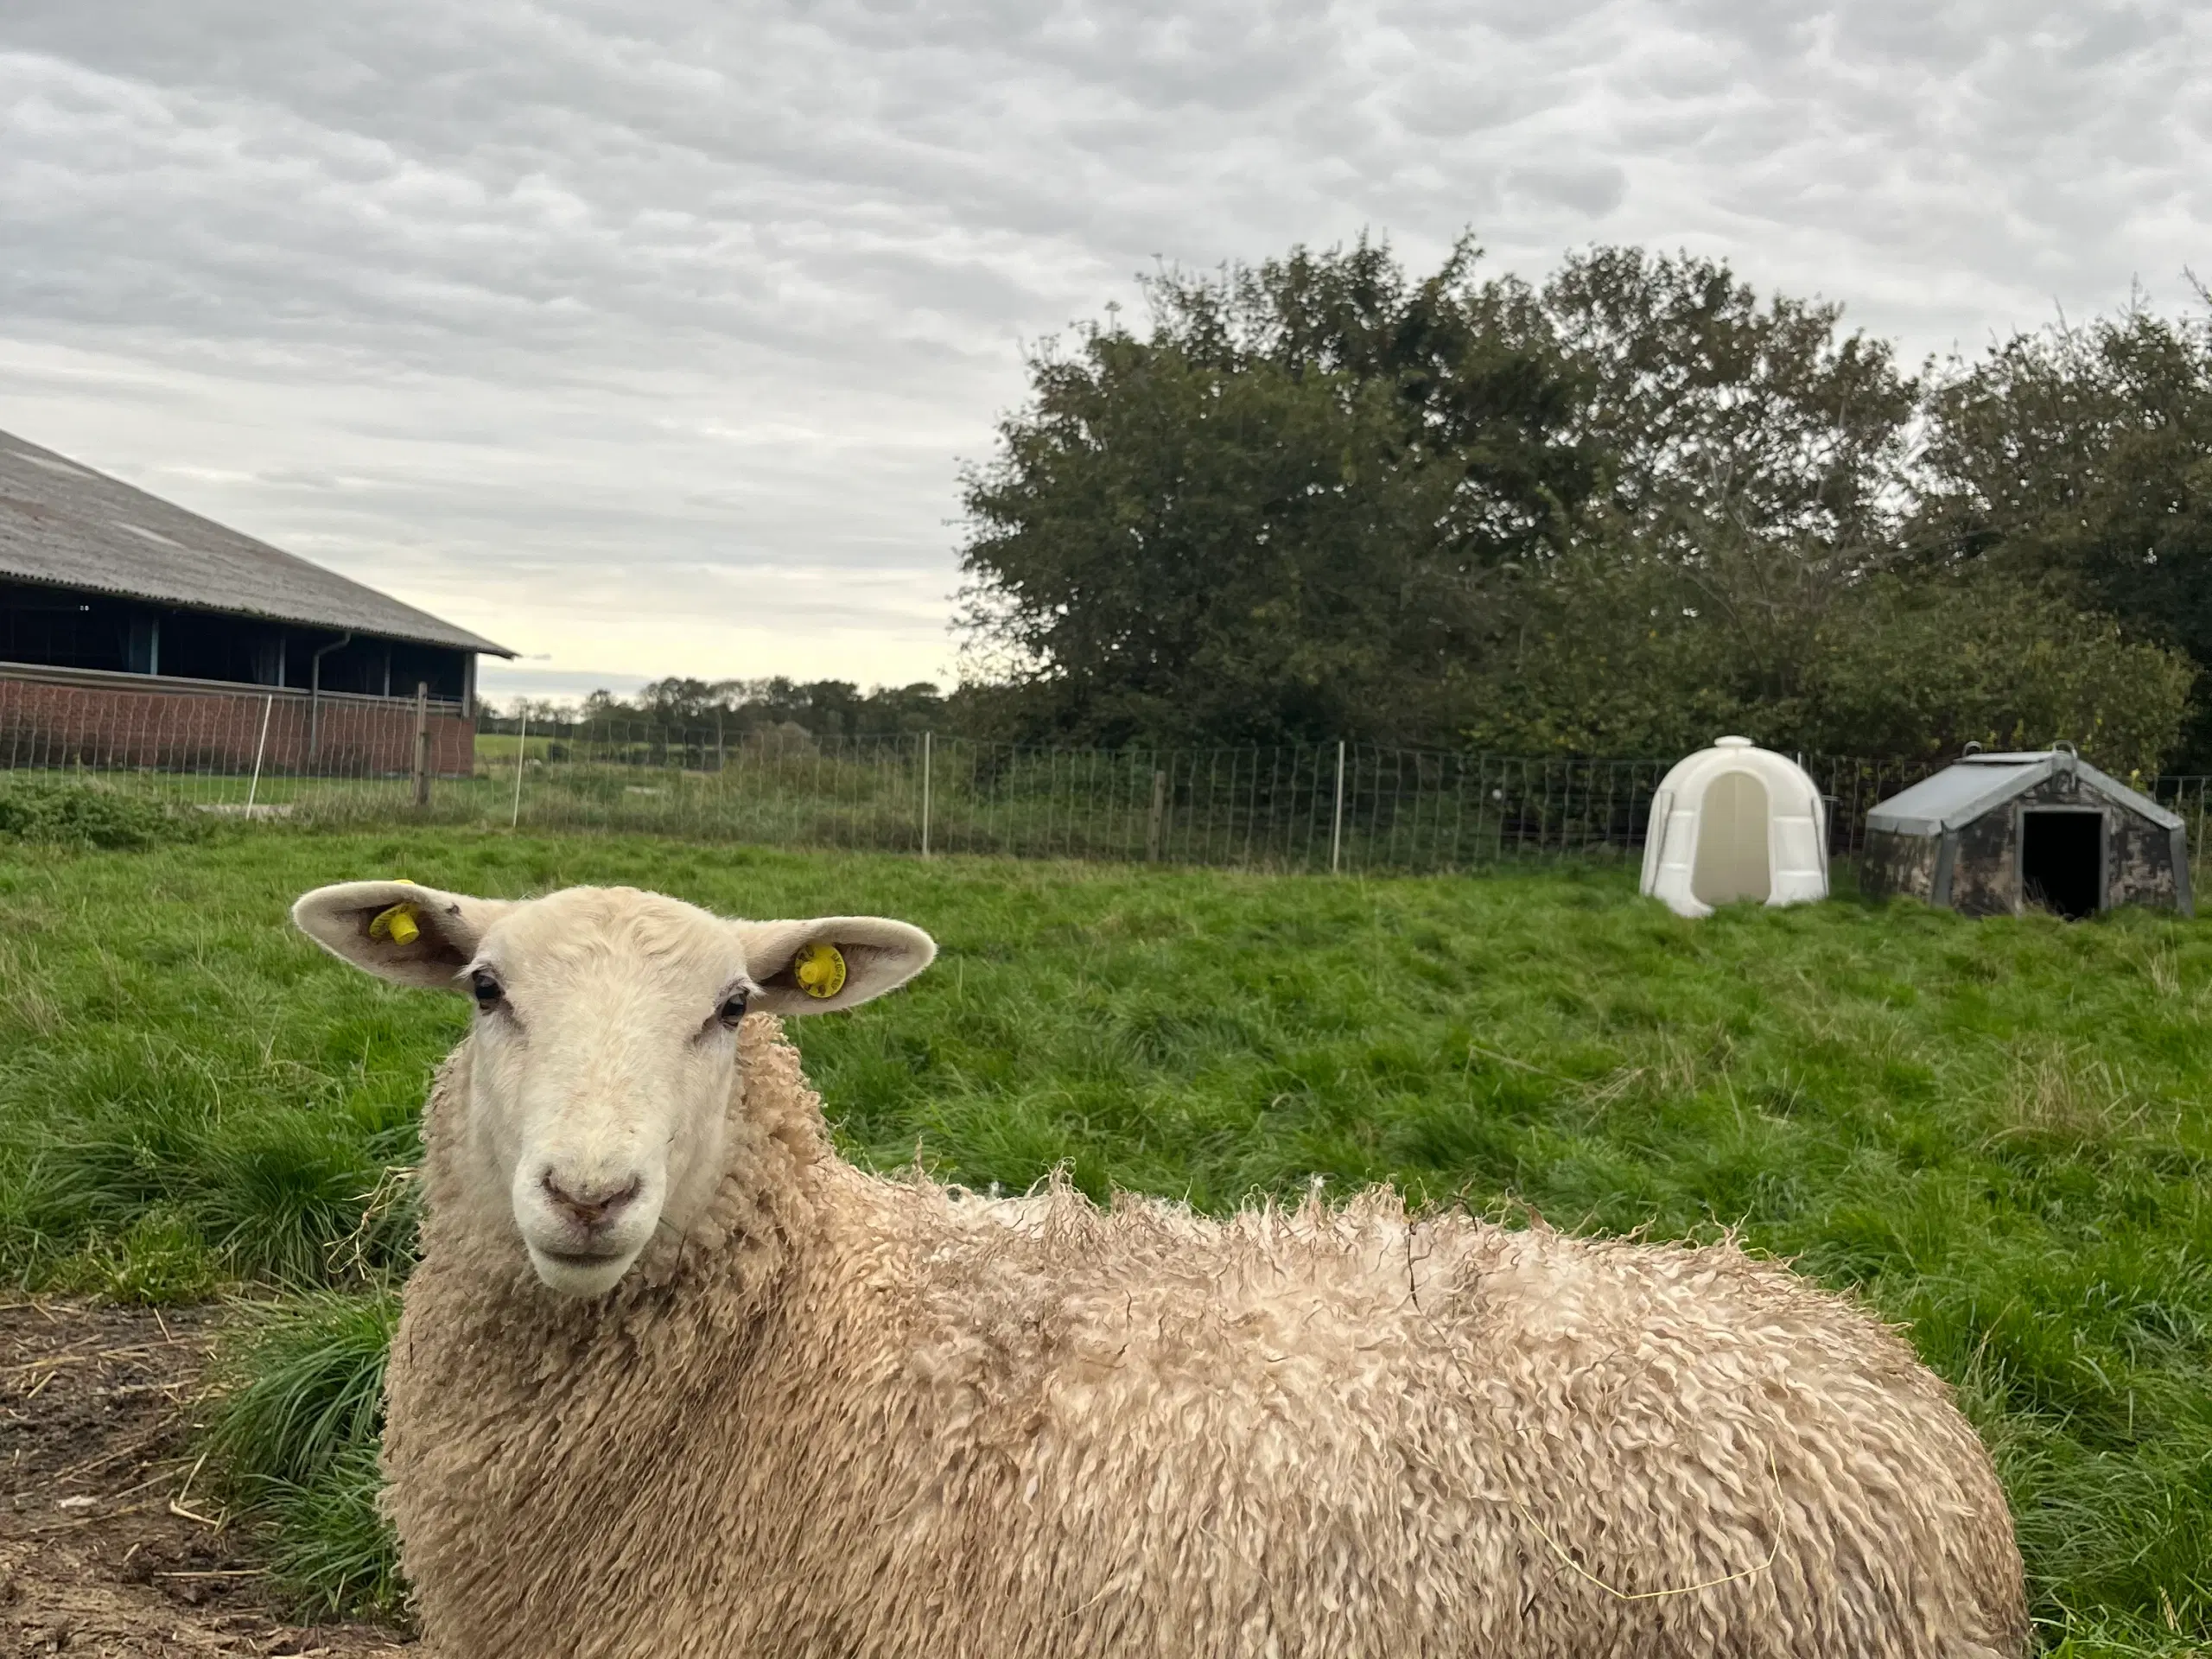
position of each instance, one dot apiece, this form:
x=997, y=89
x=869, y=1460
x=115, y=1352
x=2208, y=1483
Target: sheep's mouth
x=582, y=1258
x=580, y=1273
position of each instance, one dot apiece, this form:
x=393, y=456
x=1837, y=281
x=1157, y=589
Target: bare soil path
x=105, y=1546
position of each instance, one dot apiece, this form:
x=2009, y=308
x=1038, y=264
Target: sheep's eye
x=732, y=1010
x=486, y=987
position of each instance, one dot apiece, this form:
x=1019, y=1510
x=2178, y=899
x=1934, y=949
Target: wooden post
x=422, y=743
x=1159, y=812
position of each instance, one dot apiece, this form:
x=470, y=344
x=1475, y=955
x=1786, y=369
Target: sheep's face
x=604, y=1048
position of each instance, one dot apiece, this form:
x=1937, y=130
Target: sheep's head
x=605, y=1041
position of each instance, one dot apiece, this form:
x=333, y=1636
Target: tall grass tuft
x=274, y=1179
x=294, y=1430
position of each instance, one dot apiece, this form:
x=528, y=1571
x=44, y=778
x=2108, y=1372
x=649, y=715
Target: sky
x=650, y=338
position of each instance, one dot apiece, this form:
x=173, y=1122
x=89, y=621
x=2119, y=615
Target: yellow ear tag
x=397, y=924
x=820, y=970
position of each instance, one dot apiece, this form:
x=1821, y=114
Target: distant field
x=1999, y=1130
x=495, y=751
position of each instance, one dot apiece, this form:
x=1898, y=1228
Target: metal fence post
x=926, y=740
x=254, y=788
x=1158, y=812
x=422, y=743
x=1337, y=820
x=522, y=753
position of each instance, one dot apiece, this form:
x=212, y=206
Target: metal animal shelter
x=1999, y=834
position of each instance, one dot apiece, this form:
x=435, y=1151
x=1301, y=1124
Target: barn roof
x=1960, y=794
x=70, y=526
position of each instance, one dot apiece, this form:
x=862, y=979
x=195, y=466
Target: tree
x=1753, y=451
x=821, y=708
x=1321, y=499
x=2081, y=456
x=1918, y=667
x=1275, y=518
x=1621, y=511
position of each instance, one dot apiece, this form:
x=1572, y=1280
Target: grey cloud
x=487, y=303
x=1595, y=191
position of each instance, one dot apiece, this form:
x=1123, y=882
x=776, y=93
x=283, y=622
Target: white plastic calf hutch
x=1734, y=822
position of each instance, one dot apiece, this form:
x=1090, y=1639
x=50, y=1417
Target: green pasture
x=1998, y=1131
x=495, y=752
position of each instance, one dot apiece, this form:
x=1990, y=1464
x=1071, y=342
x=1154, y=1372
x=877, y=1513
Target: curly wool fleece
x=850, y=1416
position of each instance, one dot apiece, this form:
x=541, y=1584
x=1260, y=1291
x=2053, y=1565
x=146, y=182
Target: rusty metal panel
x=1974, y=866
x=1897, y=865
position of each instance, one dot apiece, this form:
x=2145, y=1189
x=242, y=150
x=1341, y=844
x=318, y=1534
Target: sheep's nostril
x=595, y=1204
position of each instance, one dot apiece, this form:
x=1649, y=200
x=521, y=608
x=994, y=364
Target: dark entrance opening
x=2061, y=861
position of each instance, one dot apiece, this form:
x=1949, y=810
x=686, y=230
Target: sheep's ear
x=398, y=930
x=831, y=963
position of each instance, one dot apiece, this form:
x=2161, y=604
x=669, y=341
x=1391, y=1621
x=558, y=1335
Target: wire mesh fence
x=1341, y=807
x=2189, y=797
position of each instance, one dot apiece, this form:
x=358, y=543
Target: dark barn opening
x=63, y=627
x=2061, y=861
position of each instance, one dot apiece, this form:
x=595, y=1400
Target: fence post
x=254, y=788
x=1337, y=818
x=1158, y=812
x=926, y=739
x=522, y=753
x=422, y=743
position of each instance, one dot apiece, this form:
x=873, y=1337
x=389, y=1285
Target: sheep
x=672, y=1378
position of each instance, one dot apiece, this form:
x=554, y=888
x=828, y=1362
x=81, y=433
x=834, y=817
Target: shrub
x=73, y=814
x=1625, y=656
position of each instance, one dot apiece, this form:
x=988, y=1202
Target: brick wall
x=118, y=720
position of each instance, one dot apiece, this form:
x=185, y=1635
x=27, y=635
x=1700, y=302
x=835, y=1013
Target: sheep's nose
x=592, y=1203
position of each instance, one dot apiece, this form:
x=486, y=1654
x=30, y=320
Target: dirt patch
x=106, y=1546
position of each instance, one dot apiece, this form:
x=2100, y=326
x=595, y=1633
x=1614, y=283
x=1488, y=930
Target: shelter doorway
x=1732, y=841
x=2062, y=862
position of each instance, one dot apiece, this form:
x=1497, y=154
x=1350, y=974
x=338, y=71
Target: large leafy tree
x=1753, y=454
x=2082, y=456
x=1617, y=512
x=1279, y=514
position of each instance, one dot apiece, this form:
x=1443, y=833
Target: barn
x=1996, y=833
x=135, y=632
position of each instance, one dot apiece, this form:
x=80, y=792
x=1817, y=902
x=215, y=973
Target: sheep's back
x=1356, y=1431
x=1038, y=1428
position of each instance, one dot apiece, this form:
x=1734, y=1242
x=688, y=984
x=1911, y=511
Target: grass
x=1998, y=1131
x=293, y=1434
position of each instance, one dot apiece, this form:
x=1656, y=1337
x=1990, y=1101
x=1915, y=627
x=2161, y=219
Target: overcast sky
x=647, y=337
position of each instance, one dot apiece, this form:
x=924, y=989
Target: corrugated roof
x=66, y=525
x=1960, y=794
